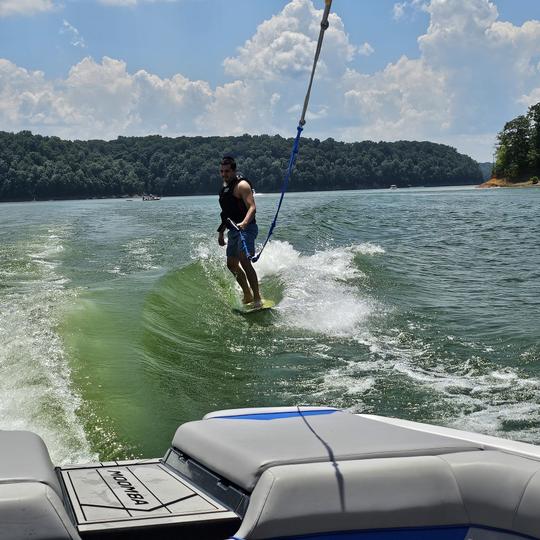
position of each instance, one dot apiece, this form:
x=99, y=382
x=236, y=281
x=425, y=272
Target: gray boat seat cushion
x=25, y=458
x=293, y=500
x=527, y=518
x=488, y=489
x=33, y=510
x=241, y=445
x=499, y=490
x=30, y=494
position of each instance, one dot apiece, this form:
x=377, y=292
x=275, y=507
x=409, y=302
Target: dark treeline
x=37, y=167
x=487, y=169
x=518, y=149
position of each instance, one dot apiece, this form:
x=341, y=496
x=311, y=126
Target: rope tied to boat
x=296, y=144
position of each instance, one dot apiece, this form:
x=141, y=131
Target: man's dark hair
x=229, y=160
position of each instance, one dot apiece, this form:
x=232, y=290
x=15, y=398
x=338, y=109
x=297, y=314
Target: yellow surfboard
x=250, y=308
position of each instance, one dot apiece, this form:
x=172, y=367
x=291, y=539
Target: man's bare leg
x=234, y=266
x=251, y=277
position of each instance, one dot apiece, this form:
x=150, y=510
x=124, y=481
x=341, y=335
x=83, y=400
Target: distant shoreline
x=502, y=182
x=138, y=197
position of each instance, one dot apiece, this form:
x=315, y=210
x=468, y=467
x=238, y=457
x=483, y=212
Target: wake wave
x=35, y=391
x=321, y=295
x=364, y=351
x=318, y=293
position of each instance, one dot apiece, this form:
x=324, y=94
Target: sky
x=447, y=71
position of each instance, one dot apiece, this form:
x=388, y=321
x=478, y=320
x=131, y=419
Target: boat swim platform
x=135, y=499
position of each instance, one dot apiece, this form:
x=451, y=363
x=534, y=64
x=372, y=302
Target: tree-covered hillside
x=487, y=169
x=518, y=150
x=36, y=167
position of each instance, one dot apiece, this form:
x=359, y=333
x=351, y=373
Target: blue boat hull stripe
x=276, y=415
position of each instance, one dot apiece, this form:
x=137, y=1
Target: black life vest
x=232, y=207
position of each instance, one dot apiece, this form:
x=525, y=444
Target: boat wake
x=364, y=352
x=35, y=388
x=320, y=292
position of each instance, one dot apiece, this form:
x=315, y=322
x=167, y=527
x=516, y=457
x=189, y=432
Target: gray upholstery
x=30, y=493
x=485, y=489
x=24, y=457
x=240, y=450
x=367, y=494
x=527, y=517
x=493, y=486
x=33, y=510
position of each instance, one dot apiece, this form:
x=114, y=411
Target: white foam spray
x=317, y=295
x=35, y=389
x=321, y=296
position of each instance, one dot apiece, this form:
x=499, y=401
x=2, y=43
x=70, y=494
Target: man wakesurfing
x=238, y=206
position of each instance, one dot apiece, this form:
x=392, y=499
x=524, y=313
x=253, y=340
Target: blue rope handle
x=284, y=186
x=242, y=238
x=292, y=159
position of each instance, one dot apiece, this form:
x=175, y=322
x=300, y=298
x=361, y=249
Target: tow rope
x=296, y=144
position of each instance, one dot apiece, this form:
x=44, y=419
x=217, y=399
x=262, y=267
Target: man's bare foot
x=247, y=299
x=257, y=303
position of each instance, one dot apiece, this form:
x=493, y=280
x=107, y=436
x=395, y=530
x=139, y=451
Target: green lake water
x=116, y=320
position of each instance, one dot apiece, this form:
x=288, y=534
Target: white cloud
x=76, y=39
x=366, y=49
x=283, y=46
x=235, y=109
x=399, y=10
x=474, y=73
x=24, y=7
x=128, y=3
x=488, y=63
x=118, y=2
x=532, y=98
x=29, y=101
x=99, y=100
x=407, y=100
x=31, y=7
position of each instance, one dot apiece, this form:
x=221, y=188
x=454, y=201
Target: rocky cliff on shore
x=502, y=182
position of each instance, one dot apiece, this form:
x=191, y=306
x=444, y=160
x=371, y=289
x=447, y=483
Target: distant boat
x=151, y=197
x=393, y=186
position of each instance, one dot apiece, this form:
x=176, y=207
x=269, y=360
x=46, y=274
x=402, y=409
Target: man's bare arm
x=243, y=191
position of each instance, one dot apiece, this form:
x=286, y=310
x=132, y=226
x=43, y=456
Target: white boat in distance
x=315, y=473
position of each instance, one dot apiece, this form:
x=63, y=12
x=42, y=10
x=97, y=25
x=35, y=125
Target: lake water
x=116, y=320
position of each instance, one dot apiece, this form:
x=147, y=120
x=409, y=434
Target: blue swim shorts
x=234, y=242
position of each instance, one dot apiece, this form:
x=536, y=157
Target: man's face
x=227, y=173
